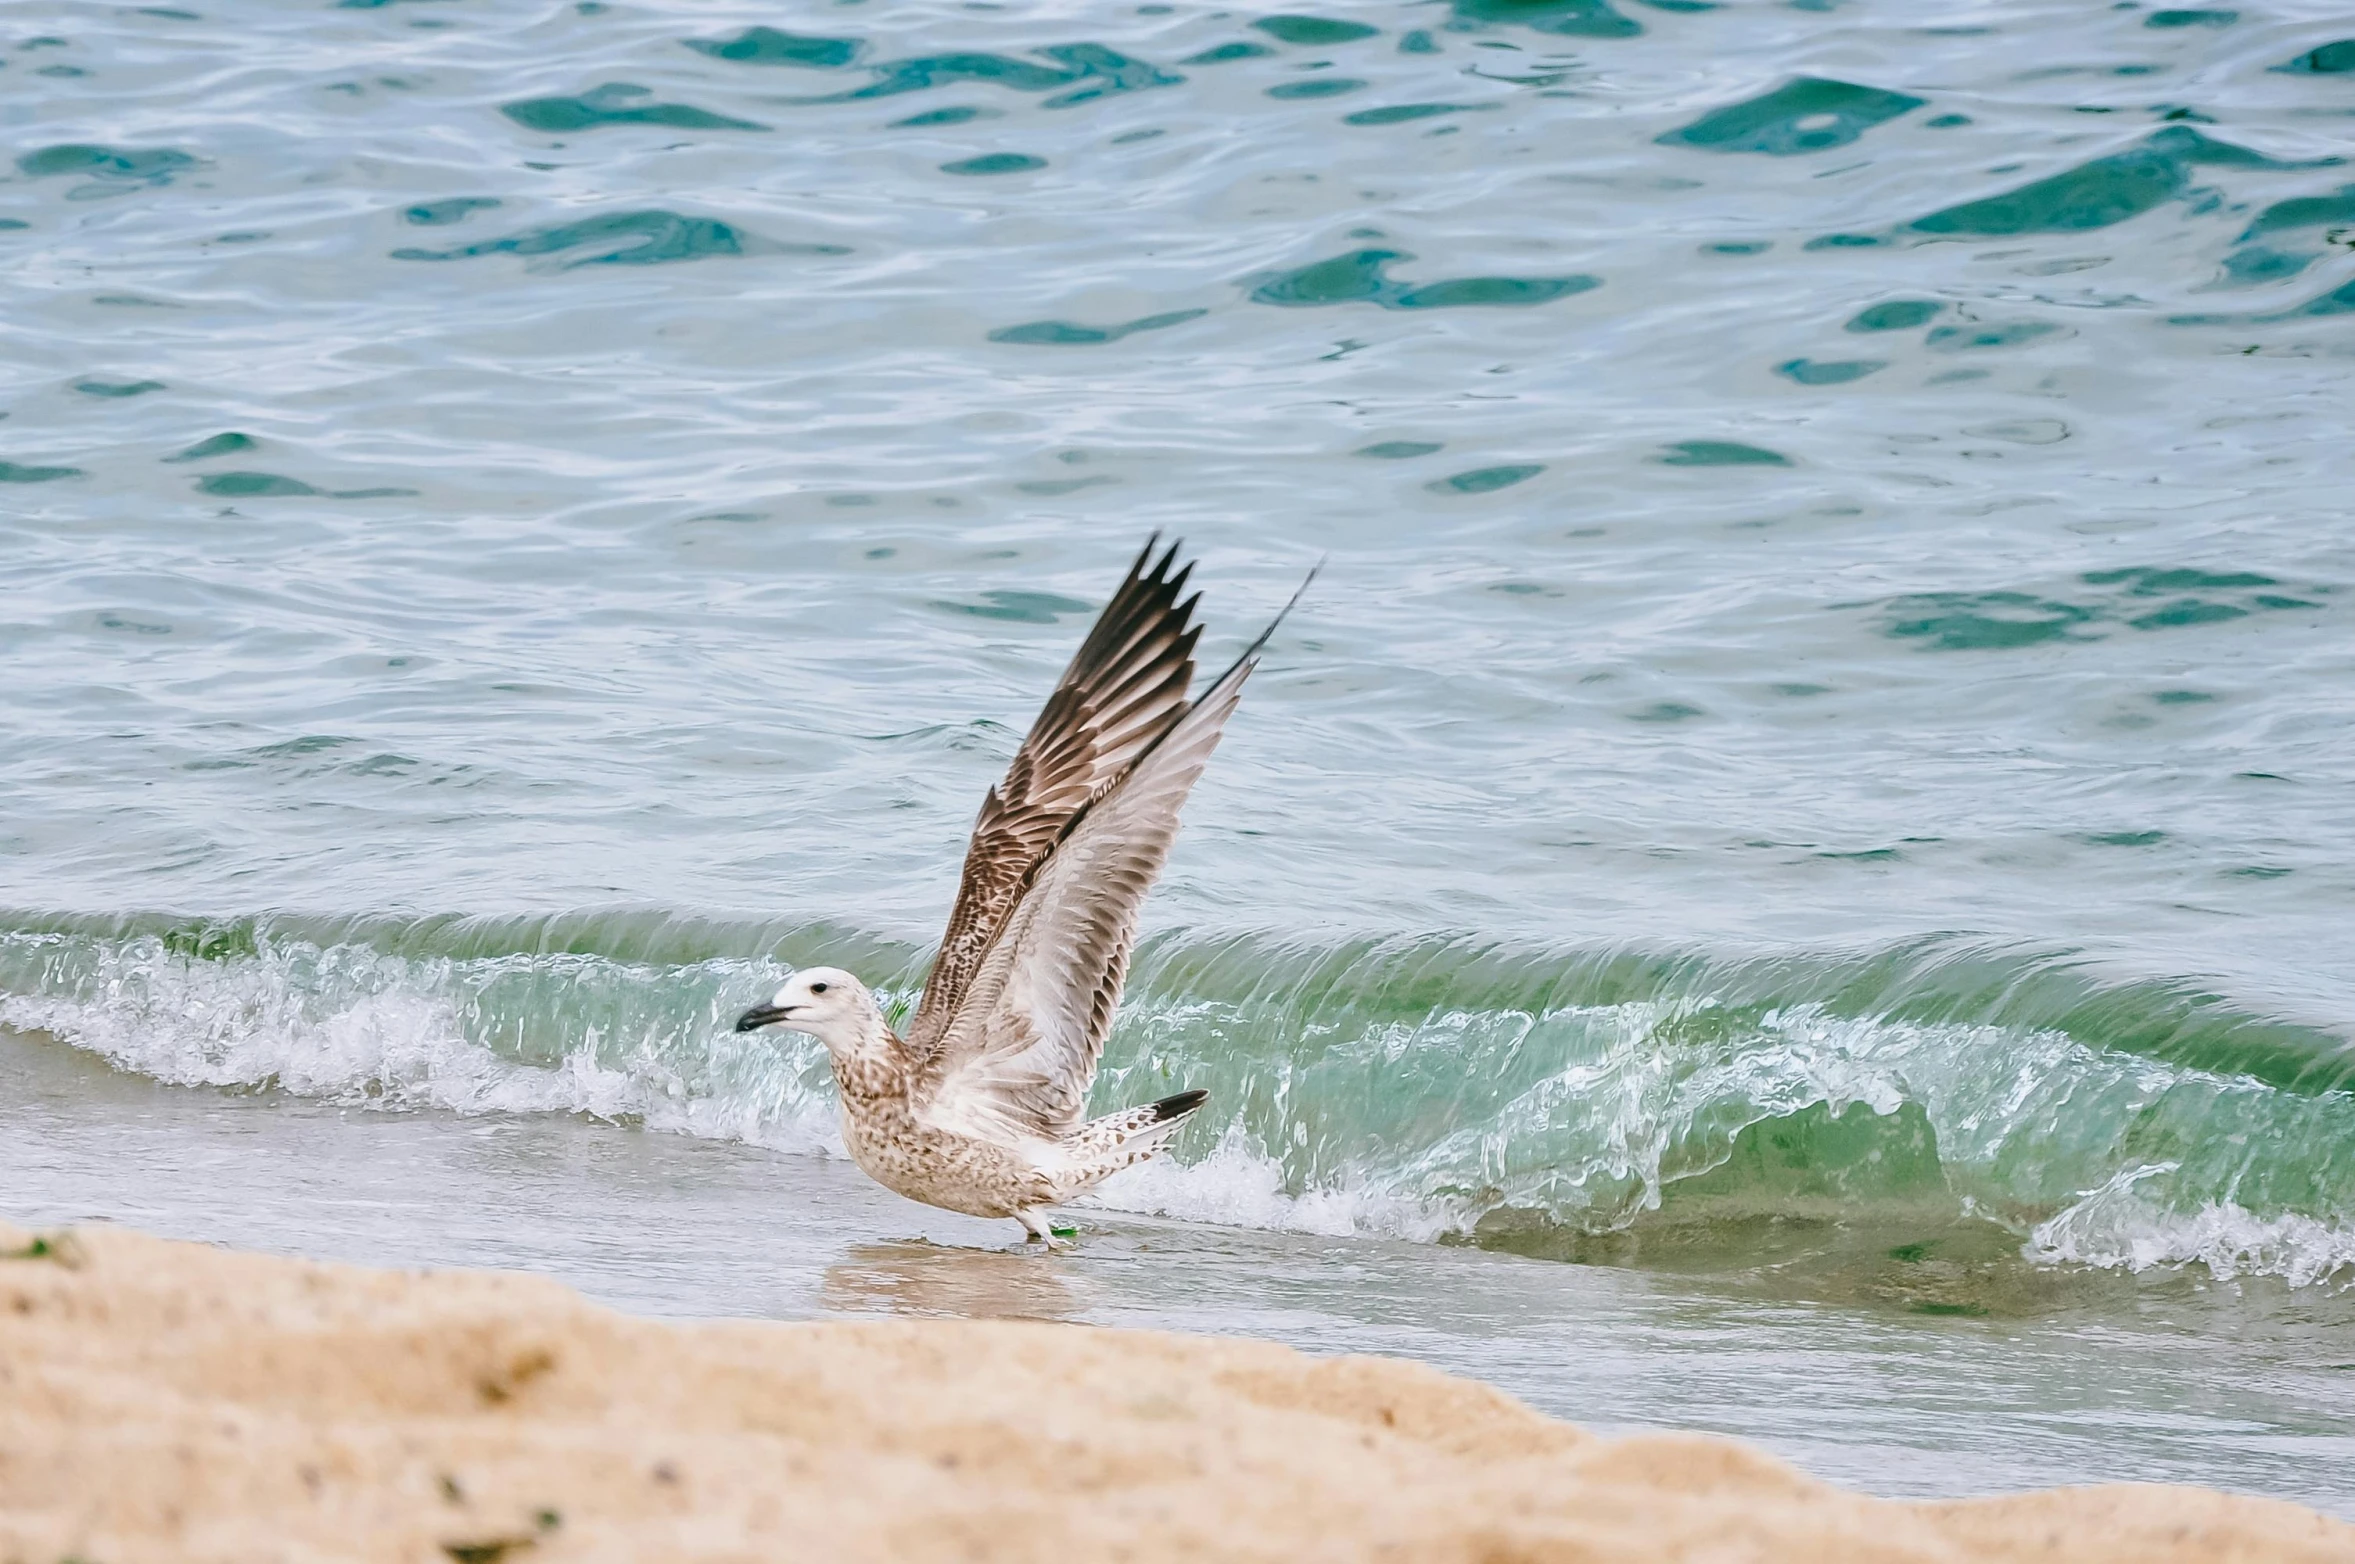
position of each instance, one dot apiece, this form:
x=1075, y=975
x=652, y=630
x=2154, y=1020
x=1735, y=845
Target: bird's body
x=898, y=1146
x=893, y=1146
x=978, y=1109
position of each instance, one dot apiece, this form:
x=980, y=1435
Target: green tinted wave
x=1534, y=1099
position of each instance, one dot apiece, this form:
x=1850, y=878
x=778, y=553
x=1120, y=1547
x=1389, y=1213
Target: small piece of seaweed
x=490, y=1550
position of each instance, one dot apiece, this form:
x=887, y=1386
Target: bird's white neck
x=860, y=1038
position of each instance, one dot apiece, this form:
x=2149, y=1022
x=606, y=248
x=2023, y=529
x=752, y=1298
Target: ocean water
x=1795, y=872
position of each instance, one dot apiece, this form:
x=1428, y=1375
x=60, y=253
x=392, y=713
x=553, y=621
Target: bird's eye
x=817, y=988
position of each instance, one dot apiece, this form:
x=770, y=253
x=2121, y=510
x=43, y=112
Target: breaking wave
x=1433, y=1089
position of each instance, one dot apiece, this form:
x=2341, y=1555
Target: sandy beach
x=164, y=1400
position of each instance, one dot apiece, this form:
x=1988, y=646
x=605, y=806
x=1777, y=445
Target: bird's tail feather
x=1119, y=1139
x=1178, y=1106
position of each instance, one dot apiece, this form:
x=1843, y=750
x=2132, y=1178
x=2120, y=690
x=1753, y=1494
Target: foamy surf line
x=1239, y=1185
x=348, y=1024
x=2115, y=1229
x=1340, y=1119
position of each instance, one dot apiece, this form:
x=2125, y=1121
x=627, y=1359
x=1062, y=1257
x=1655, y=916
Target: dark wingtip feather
x=1168, y=558
x=1179, y=1106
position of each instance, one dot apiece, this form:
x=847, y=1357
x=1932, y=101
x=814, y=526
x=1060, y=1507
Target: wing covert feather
x=1124, y=690
x=1018, y=1056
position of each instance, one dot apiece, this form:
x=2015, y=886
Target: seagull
x=979, y=1108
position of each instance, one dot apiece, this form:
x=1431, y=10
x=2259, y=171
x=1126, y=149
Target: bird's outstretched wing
x=1124, y=691
x=1018, y=1054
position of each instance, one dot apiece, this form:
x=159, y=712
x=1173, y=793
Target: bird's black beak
x=763, y=1015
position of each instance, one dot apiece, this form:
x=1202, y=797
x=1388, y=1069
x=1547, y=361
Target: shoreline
x=168, y=1400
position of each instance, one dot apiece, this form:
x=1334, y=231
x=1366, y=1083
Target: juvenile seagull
x=978, y=1108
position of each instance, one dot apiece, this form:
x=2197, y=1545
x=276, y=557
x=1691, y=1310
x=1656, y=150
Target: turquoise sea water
x=1821, y=763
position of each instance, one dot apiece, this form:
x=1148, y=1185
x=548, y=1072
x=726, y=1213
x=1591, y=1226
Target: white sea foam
x=1239, y=1185
x=350, y=1025
x=2119, y=1227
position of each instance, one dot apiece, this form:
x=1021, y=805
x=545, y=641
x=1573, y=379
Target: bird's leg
x=1036, y=1225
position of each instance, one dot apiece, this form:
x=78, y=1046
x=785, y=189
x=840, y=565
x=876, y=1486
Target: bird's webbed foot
x=1038, y=1232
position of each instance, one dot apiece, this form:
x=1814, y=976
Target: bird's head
x=827, y=1003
